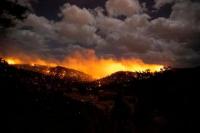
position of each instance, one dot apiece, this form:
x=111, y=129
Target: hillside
x=122, y=102
x=58, y=71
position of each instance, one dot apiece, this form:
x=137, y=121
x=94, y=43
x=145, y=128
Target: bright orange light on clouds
x=90, y=64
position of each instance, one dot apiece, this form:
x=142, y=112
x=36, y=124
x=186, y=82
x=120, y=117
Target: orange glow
x=29, y=60
x=13, y=61
x=101, y=67
x=90, y=64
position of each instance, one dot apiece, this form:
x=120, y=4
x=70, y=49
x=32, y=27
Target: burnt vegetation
x=123, y=102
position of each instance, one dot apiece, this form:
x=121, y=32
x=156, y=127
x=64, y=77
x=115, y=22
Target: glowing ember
x=92, y=65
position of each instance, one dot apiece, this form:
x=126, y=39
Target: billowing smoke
x=170, y=41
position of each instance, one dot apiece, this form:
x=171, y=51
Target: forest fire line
x=92, y=65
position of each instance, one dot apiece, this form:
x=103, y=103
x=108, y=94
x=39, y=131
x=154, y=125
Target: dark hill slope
x=58, y=71
x=149, y=103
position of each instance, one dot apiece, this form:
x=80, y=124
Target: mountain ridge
x=57, y=71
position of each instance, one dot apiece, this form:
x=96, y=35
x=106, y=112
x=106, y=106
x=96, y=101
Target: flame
x=12, y=61
x=91, y=64
x=30, y=60
x=100, y=67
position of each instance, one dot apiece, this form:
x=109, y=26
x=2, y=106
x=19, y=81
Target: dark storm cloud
x=173, y=41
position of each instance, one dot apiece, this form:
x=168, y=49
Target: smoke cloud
x=170, y=41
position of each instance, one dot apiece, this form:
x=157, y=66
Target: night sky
x=155, y=31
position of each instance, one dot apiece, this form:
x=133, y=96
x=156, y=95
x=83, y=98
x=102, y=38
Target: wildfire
x=92, y=65
x=13, y=61
x=29, y=60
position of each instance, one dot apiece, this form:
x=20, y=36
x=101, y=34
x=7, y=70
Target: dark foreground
x=124, y=102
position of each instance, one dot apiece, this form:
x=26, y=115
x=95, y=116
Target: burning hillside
x=58, y=71
x=90, y=64
x=158, y=99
